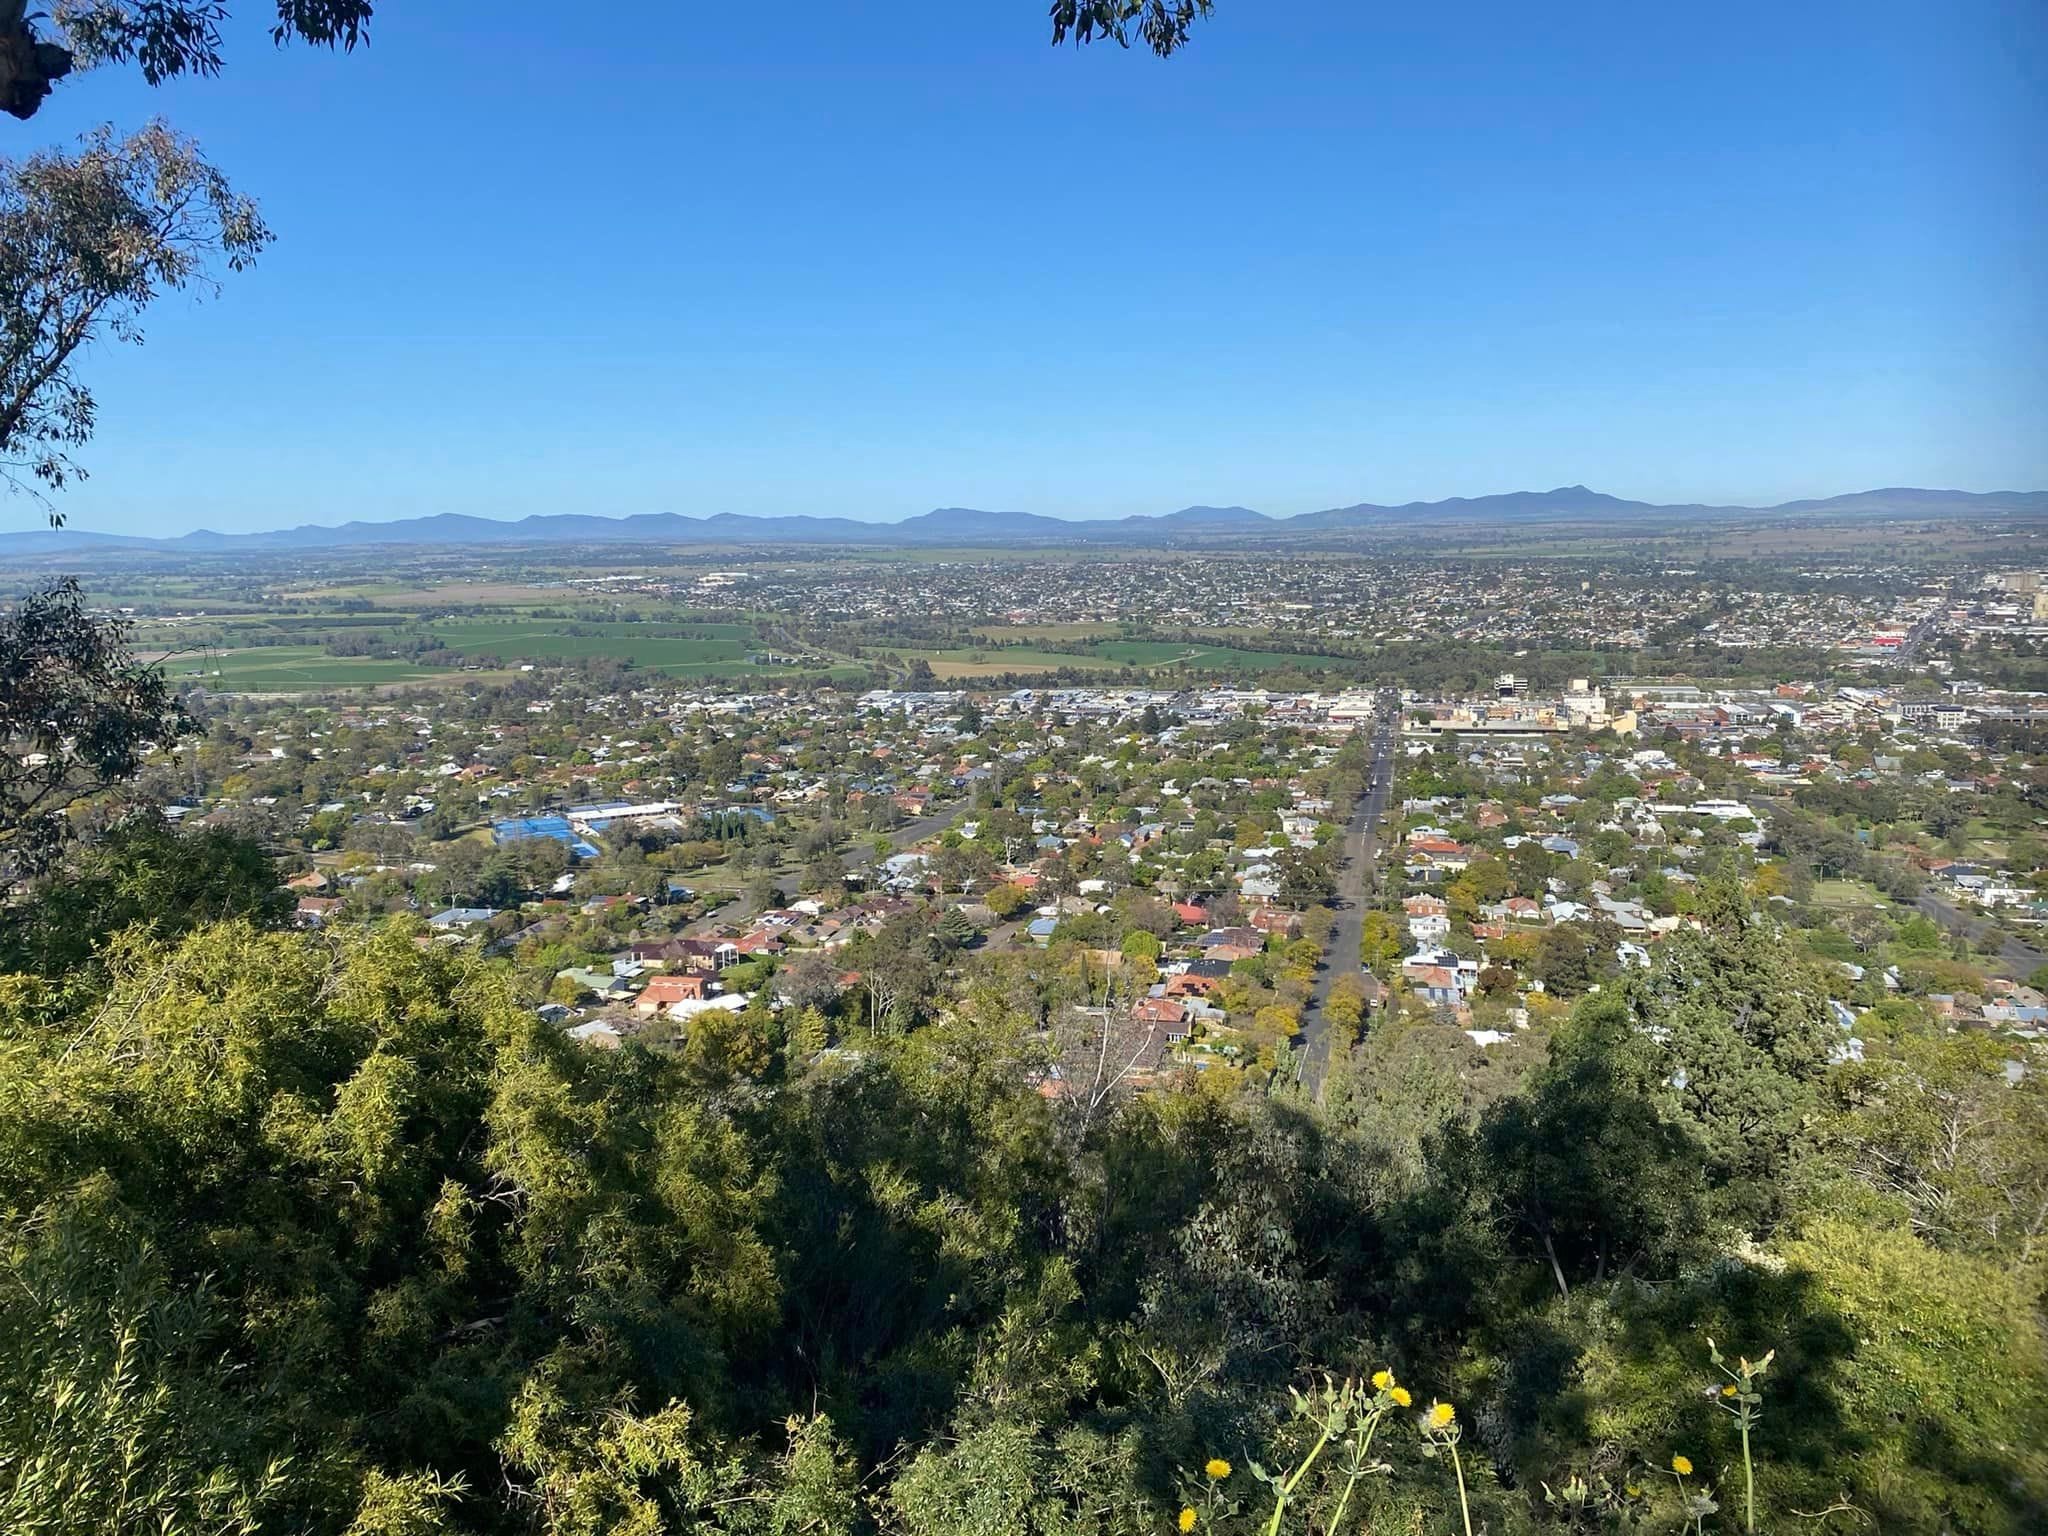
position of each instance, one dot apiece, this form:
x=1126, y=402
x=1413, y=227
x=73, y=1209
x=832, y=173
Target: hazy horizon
x=1079, y=519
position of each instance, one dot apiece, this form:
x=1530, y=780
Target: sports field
x=1842, y=895
x=288, y=669
x=681, y=650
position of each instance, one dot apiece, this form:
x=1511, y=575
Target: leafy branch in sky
x=179, y=37
x=1161, y=25
x=164, y=37
x=87, y=241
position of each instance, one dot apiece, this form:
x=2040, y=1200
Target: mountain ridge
x=971, y=525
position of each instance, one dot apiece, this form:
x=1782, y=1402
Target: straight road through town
x=1361, y=849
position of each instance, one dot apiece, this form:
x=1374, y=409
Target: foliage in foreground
x=303, y=1234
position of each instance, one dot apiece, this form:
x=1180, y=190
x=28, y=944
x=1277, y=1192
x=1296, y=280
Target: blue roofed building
x=519, y=829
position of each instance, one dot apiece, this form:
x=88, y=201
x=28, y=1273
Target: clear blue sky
x=870, y=259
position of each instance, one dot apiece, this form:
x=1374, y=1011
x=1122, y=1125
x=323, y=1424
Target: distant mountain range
x=966, y=525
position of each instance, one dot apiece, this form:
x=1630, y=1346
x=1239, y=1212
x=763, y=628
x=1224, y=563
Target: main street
x=1361, y=849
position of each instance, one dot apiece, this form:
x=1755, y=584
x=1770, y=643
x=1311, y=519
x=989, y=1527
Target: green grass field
x=288, y=669
x=673, y=643
x=994, y=661
x=1843, y=895
x=677, y=648
x=695, y=650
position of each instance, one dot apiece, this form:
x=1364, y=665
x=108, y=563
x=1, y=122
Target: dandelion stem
x=1349, y=1483
x=1748, y=1478
x=1358, y=1465
x=1286, y=1490
x=1458, y=1467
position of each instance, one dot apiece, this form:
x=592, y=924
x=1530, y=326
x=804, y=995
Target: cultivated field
x=288, y=669
x=697, y=650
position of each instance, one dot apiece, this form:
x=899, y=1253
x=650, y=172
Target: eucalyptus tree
x=87, y=242
x=77, y=715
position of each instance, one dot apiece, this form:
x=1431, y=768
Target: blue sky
x=867, y=260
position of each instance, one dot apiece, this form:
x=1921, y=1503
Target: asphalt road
x=912, y=832
x=2023, y=958
x=1361, y=848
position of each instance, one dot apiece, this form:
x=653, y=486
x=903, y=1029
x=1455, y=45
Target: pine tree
x=810, y=1034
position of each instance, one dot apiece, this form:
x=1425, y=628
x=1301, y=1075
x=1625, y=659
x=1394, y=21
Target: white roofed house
x=1300, y=830
x=1429, y=927
x=461, y=917
x=1259, y=883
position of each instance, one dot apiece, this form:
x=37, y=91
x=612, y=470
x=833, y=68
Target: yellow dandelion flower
x=1681, y=1466
x=1187, y=1519
x=1218, y=1469
x=1440, y=1415
x=1635, y=1491
x=1401, y=1396
x=1382, y=1380
x=1729, y=1390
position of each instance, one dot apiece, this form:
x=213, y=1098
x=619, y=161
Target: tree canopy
x=167, y=38
x=333, y=1234
x=77, y=715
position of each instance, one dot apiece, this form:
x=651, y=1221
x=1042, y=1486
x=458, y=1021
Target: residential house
x=663, y=992
x=314, y=911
